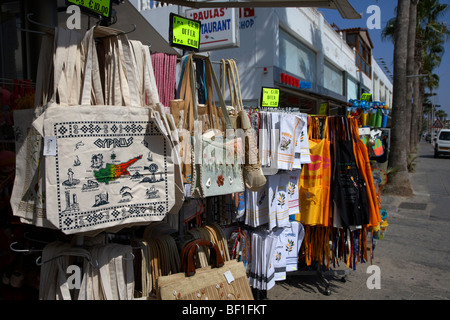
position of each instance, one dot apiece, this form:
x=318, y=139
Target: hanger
x=28, y=237
x=119, y=33
x=40, y=263
x=38, y=23
x=11, y=246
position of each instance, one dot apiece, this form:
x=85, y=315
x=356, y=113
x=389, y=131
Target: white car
x=442, y=143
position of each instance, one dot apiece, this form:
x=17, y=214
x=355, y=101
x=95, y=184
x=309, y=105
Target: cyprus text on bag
x=110, y=166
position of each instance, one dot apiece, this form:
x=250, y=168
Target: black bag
x=348, y=187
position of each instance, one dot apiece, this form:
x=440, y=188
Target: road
x=414, y=256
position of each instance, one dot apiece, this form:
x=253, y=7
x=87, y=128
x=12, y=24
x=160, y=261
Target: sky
x=384, y=48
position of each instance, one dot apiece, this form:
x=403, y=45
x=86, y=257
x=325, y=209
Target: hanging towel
x=292, y=191
x=273, y=182
x=280, y=256
x=273, y=142
x=264, y=139
x=269, y=246
x=293, y=237
x=305, y=156
x=288, y=126
x=256, y=207
x=283, y=201
x=298, y=147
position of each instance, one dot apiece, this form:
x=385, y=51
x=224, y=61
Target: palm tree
x=399, y=182
x=431, y=35
x=429, y=38
x=412, y=69
x=441, y=115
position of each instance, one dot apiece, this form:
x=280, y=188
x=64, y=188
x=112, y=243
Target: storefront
x=107, y=202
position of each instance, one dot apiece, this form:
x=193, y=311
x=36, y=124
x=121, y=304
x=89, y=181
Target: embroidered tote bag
x=106, y=166
x=218, y=154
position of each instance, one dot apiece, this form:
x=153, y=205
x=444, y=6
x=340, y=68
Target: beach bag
x=59, y=66
x=218, y=154
x=348, y=185
x=315, y=178
x=254, y=178
x=363, y=162
x=221, y=280
x=106, y=166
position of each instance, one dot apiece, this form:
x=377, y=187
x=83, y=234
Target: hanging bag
x=219, y=281
x=254, y=178
x=109, y=166
x=363, y=162
x=348, y=187
x=59, y=66
x=217, y=153
x=315, y=178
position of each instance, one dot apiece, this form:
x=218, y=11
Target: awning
x=127, y=15
x=127, y=18
x=343, y=6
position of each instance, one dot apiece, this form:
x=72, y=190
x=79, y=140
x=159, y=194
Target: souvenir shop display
x=162, y=192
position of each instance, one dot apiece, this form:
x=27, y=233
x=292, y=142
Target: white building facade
x=297, y=51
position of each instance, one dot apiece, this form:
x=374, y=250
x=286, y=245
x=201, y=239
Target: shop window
x=352, y=89
x=296, y=58
x=363, y=58
x=359, y=39
x=10, y=42
x=333, y=79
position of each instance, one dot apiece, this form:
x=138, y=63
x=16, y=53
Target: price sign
x=323, y=110
x=184, y=33
x=270, y=97
x=102, y=7
x=366, y=96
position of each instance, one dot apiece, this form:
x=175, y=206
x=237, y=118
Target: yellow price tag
x=323, y=108
x=184, y=32
x=270, y=97
x=102, y=7
x=366, y=96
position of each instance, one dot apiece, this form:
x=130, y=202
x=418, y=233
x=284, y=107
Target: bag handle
x=226, y=76
x=215, y=256
x=91, y=78
x=237, y=84
x=210, y=104
x=187, y=91
x=219, y=95
x=45, y=66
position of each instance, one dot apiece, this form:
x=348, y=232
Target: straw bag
x=220, y=281
x=217, y=154
x=254, y=178
x=109, y=166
